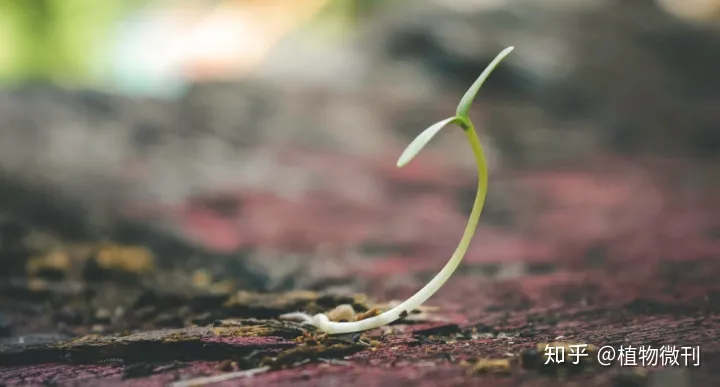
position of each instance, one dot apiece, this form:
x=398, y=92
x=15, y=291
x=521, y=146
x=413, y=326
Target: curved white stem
x=322, y=322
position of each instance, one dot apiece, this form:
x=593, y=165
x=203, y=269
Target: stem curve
x=322, y=322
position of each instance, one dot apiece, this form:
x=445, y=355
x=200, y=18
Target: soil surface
x=611, y=253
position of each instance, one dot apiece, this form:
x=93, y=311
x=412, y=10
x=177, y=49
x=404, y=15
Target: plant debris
x=496, y=366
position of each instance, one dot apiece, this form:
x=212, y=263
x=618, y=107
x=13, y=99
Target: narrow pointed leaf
x=467, y=99
x=421, y=140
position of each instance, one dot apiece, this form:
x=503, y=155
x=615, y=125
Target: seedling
x=461, y=118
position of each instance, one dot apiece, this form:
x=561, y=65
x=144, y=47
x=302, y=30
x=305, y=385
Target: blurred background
x=224, y=145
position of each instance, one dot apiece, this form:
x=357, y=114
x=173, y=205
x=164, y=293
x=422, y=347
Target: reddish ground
x=608, y=253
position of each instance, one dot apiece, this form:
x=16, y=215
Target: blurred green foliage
x=65, y=41
x=340, y=17
x=55, y=40
x=355, y=9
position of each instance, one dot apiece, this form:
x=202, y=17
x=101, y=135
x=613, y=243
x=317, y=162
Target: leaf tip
x=404, y=159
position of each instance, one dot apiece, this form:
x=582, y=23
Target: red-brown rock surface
x=608, y=253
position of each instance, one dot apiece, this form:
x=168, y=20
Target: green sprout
x=461, y=118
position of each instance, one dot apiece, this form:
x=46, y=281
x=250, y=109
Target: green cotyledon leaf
x=421, y=140
x=463, y=107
